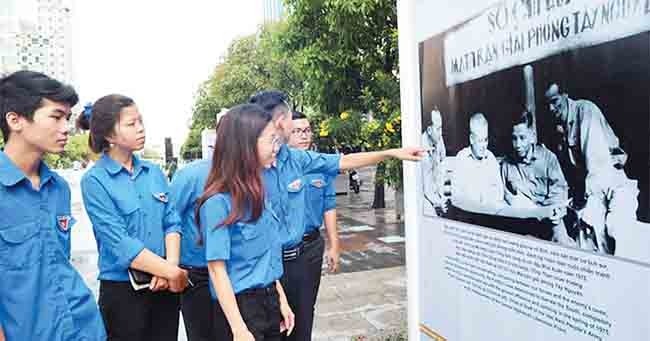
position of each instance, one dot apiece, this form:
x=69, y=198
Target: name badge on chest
x=295, y=185
x=63, y=221
x=318, y=183
x=162, y=197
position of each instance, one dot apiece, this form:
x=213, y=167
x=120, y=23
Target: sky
x=156, y=52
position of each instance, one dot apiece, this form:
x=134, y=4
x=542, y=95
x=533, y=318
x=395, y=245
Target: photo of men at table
x=526, y=192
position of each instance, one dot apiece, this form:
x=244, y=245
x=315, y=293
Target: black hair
x=269, y=99
x=526, y=118
x=23, y=92
x=101, y=120
x=297, y=115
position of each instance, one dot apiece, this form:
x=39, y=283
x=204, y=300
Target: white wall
x=433, y=17
x=418, y=20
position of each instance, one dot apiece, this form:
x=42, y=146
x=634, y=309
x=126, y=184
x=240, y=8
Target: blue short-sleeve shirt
x=287, y=187
x=321, y=197
x=129, y=212
x=252, y=251
x=42, y=297
x=187, y=186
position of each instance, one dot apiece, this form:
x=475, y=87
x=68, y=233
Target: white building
x=209, y=137
x=273, y=10
x=9, y=25
x=36, y=35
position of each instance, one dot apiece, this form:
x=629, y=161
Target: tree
x=331, y=57
x=346, y=50
x=251, y=64
x=338, y=132
x=191, y=149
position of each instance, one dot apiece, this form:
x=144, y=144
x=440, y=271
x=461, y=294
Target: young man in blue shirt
x=35, y=218
x=196, y=303
x=287, y=193
x=320, y=206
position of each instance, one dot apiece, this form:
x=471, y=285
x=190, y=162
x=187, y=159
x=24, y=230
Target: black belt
x=296, y=251
x=292, y=253
x=267, y=290
x=311, y=236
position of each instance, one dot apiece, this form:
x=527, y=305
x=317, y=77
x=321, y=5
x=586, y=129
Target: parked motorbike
x=355, y=181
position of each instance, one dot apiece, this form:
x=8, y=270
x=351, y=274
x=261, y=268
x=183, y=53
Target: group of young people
x=234, y=242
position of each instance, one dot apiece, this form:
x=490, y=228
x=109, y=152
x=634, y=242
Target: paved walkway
x=366, y=299
x=361, y=304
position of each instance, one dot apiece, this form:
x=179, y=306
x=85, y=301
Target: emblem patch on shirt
x=162, y=196
x=295, y=185
x=318, y=183
x=64, y=222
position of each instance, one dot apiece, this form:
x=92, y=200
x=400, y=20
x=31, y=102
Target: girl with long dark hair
x=243, y=234
x=253, y=186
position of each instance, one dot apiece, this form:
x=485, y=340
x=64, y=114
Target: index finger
x=414, y=158
x=153, y=285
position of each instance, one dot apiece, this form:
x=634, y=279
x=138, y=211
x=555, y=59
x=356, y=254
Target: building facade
x=273, y=11
x=36, y=35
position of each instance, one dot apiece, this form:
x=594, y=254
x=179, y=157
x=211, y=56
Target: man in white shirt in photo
x=476, y=182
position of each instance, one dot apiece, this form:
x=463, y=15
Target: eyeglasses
x=297, y=131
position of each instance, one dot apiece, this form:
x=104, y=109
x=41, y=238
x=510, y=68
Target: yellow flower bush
x=344, y=115
x=324, y=129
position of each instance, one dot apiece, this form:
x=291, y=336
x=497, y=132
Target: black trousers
x=197, y=306
x=301, y=281
x=142, y=315
x=260, y=309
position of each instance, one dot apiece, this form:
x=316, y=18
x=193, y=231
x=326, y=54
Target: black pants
x=301, y=281
x=142, y=315
x=197, y=306
x=260, y=309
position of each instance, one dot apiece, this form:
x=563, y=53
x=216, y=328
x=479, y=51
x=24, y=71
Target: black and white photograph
x=537, y=122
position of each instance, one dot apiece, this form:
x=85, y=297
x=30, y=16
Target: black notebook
x=139, y=279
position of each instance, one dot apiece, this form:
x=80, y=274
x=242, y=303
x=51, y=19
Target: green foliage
x=330, y=57
x=191, y=149
x=354, y=129
x=339, y=45
x=337, y=131
x=251, y=64
x=346, y=51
